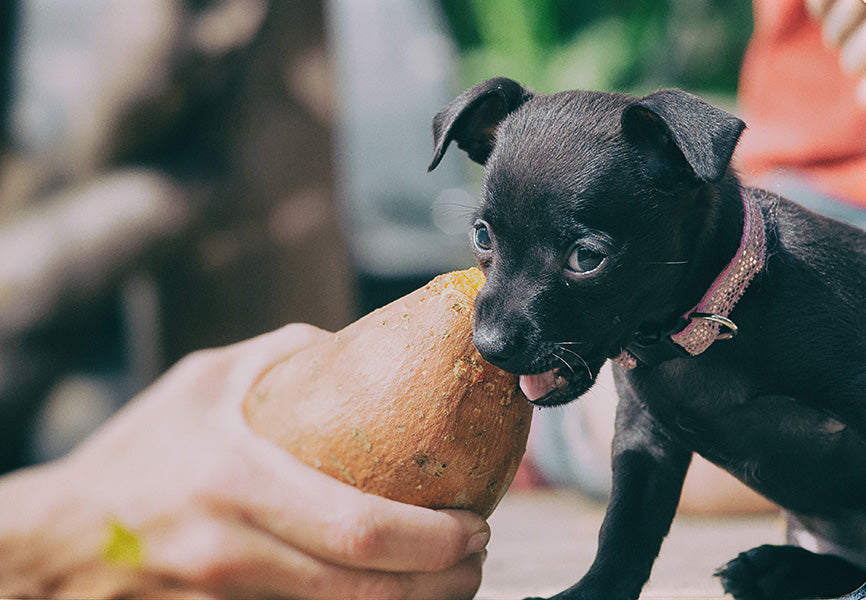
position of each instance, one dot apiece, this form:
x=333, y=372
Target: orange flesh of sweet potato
x=400, y=404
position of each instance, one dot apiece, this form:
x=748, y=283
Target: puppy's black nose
x=494, y=346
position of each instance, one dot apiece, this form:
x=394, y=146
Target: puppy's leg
x=790, y=573
x=648, y=472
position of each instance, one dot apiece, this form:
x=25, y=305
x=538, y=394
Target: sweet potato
x=400, y=404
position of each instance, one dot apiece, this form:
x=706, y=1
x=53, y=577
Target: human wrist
x=23, y=531
x=41, y=541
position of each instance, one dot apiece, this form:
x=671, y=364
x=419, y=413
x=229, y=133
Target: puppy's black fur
x=604, y=218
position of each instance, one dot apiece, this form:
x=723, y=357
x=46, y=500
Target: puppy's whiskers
x=565, y=362
x=667, y=262
x=561, y=346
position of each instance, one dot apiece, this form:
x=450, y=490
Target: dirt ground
x=544, y=540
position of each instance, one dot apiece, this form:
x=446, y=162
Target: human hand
x=176, y=497
x=843, y=23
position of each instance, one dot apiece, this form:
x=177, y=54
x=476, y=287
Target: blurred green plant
x=630, y=45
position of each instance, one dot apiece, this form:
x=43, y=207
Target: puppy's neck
x=718, y=230
x=728, y=252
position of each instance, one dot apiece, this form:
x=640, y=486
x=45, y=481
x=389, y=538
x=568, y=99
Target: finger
x=237, y=368
x=229, y=372
x=853, y=52
x=230, y=559
x=360, y=530
x=251, y=357
x=287, y=339
x=861, y=92
x=818, y=8
x=301, y=506
x=225, y=374
x=842, y=18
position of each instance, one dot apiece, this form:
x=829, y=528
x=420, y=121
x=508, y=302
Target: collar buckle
x=708, y=321
x=720, y=320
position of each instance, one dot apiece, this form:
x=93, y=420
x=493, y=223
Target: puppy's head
x=593, y=206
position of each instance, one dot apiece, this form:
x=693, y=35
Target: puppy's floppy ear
x=682, y=136
x=472, y=117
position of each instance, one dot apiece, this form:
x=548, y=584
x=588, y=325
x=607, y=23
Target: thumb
x=340, y=524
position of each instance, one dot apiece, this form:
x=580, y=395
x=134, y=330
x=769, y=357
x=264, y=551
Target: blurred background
x=180, y=174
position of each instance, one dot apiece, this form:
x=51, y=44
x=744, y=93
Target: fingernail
x=477, y=541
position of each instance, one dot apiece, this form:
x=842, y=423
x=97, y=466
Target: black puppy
x=613, y=228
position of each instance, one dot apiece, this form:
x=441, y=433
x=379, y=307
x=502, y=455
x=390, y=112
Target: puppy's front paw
x=787, y=573
x=744, y=578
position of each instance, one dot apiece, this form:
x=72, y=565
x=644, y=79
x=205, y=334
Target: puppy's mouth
x=554, y=387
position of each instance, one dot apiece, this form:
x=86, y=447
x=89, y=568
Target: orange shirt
x=799, y=105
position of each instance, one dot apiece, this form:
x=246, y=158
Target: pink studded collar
x=708, y=320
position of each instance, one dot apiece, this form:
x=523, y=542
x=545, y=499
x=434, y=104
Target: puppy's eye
x=584, y=260
x=481, y=238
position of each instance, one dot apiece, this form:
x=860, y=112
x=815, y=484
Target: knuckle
x=355, y=536
x=198, y=360
x=192, y=369
x=211, y=489
x=208, y=557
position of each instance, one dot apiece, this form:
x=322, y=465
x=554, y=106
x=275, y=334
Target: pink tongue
x=538, y=386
